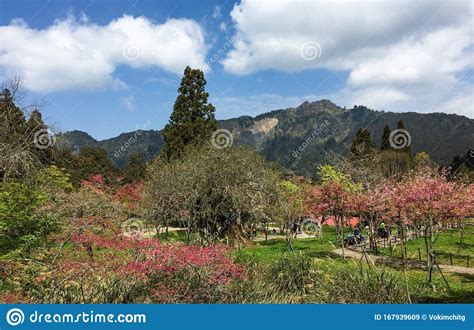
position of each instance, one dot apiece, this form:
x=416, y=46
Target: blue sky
x=107, y=67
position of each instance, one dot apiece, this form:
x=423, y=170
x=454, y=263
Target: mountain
x=119, y=148
x=300, y=138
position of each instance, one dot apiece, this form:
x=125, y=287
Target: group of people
x=358, y=237
x=295, y=228
x=311, y=226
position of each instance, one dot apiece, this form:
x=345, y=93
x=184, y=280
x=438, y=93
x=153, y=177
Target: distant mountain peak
x=320, y=103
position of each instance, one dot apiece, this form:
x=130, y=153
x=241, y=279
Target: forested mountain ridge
x=300, y=138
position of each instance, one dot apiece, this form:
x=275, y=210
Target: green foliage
x=290, y=187
x=362, y=145
x=267, y=252
x=192, y=119
x=21, y=224
x=20, y=155
x=53, y=177
x=290, y=273
x=358, y=284
x=12, y=119
x=328, y=174
x=292, y=200
x=447, y=243
x=285, y=280
x=136, y=168
x=393, y=163
x=212, y=191
x=296, y=126
x=422, y=161
x=385, y=145
x=92, y=161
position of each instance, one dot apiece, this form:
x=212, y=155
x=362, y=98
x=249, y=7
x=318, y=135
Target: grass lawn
x=462, y=286
x=446, y=243
x=275, y=247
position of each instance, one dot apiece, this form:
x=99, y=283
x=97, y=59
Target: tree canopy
x=192, y=119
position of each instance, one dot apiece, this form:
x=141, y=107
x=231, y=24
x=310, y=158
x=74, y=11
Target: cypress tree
x=136, y=168
x=386, y=138
x=12, y=119
x=192, y=119
x=362, y=145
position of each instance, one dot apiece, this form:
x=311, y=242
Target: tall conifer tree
x=386, y=139
x=362, y=145
x=192, y=120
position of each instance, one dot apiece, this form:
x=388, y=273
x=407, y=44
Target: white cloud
x=400, y=55
x=460, y=104
x=78, y=54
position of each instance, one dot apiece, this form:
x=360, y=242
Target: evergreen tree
x=12, y=119
x=192, y=120
x=20, y=156
x=386, y=139
x=362, y=145
x=136, y=168
x=35, y=129
x=92, y=161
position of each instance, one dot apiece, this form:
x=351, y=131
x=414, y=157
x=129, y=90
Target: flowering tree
x=373, y=206
x=333, y=197
x=292, y=202
x=427, y=201
x=104, y=266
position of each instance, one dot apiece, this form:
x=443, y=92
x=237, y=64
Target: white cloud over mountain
x=400, y=55
x=77, y=54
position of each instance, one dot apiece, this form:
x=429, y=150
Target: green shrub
x=286, y=280
x=359, y=284
x=21, y=225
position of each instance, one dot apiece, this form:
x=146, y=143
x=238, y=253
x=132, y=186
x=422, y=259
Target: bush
x=359, y=284
x=21, y=224
x=287, y=280
x=106, y=267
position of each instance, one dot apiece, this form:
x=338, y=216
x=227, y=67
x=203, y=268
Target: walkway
x=391, y=261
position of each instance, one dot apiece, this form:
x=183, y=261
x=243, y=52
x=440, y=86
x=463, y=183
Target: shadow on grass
x=450, y=297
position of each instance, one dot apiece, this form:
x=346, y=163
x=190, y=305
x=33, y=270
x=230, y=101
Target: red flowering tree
x=122, y=269
x=373, y=206
x=333, y=197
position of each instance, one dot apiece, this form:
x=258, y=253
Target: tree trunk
x=342, y=238
x=431, y=253
x=461, y=239
x=236, y=235
x=403, y=263
x=427, y=249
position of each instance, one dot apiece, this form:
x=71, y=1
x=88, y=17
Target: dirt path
x=391, y=261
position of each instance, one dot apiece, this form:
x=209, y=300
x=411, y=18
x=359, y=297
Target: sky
x=107, y=67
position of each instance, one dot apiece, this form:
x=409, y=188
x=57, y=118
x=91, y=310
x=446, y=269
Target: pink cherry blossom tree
x=427, y=201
